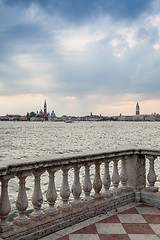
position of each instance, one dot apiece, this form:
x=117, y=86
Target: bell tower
x=45, y=110
x=137, y=109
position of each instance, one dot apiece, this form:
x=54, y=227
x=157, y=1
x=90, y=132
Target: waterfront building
x=137, y=109
x=45, y=110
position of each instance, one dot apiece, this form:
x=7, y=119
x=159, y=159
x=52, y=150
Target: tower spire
x=45, y=110
x=137, y=109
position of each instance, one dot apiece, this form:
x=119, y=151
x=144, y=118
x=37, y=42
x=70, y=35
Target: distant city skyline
x=82, y=56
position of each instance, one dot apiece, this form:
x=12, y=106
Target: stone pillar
x=151, y=177
x=22, y=200
x=37, y=197
x=97, y=182
x=87, y=185
x=135, y=166
x=76, y=188
x=123, y=175
x=65, y=191
x=5, y=206
x=107, y=180
x=51, y=194
x=116, y=178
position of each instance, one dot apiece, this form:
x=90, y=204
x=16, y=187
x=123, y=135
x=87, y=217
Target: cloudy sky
x=82, y=56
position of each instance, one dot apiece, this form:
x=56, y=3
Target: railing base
x=151, y=198
x=38, y=229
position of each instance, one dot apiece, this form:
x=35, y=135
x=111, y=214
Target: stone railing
x=119, y=178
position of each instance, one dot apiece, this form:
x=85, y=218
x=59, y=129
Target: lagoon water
x=27, y=141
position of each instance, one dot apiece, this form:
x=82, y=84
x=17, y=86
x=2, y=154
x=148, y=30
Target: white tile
x=83, y=237
x=148, y=210
x=155, y=227
x=143, y=237
x=131, y=218
x=110, y=228
x=52, y=236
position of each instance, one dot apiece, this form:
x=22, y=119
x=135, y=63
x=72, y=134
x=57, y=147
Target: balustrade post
x=65, y=191
x=97, y=182
x=22, y=200
x=76, y=188
x=135, y=165
x=106, y=180
x=116, y=177
x=123, y=175
x=37, y=198
x=87, y=185
x=151, y=177
x=51, y=194
x=5, y=206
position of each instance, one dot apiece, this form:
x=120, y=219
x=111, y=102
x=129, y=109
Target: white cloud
x=76, y=39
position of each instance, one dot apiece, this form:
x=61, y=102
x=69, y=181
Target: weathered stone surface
x=38, y=229
x=133, y=188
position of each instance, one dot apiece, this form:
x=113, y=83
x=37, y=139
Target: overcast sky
x=82, y=56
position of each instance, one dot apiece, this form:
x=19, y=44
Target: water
x=27, y=141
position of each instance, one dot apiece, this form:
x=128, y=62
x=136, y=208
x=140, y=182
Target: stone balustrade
x=119, y=178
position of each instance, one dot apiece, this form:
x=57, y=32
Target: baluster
x=37, y=198
x=151, y=175
x=97, y=182
x=106, y=180
x=123, y=175
x=5, y=206
x=22, y=201
x=51, y=195
x=116, y=178
x=65, y=191
x=76, y=188
x=87, y=186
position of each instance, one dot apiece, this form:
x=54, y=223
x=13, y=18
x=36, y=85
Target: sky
x=99, y=56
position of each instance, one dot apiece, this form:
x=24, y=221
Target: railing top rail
x=70, y=159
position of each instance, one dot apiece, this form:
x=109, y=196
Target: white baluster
x=151, y=175
x=22, y=201
x=5, y=206
x=65, y=191
x=123, y=175
x=51, y=195
x=76, y=188
x=87, y=186
x=106, y=180
x=37, y=198
x=97, y=182
x=116, y=178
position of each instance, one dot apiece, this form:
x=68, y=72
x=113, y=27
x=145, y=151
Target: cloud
x=49, y=51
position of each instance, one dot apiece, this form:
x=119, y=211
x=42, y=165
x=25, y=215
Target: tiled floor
x=134, y=222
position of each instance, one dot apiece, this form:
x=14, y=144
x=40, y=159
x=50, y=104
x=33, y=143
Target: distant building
x=137, y=109
x=45, y=110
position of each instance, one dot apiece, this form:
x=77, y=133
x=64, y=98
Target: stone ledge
x=50, y=225
x=151, y=198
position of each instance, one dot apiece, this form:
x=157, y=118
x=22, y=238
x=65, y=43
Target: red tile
x=64, y=238
x=113, y=237
x=112, y=219
x=91, y=229
x=132, y=228
x=130, y=211
x=152, y=218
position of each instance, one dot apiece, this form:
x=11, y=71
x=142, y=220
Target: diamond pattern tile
x=141, y=222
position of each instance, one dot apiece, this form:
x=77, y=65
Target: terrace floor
x=132, y=222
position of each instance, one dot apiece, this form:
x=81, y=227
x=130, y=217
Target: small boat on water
x=68, y=121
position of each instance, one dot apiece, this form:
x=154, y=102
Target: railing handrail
x=69, y=159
